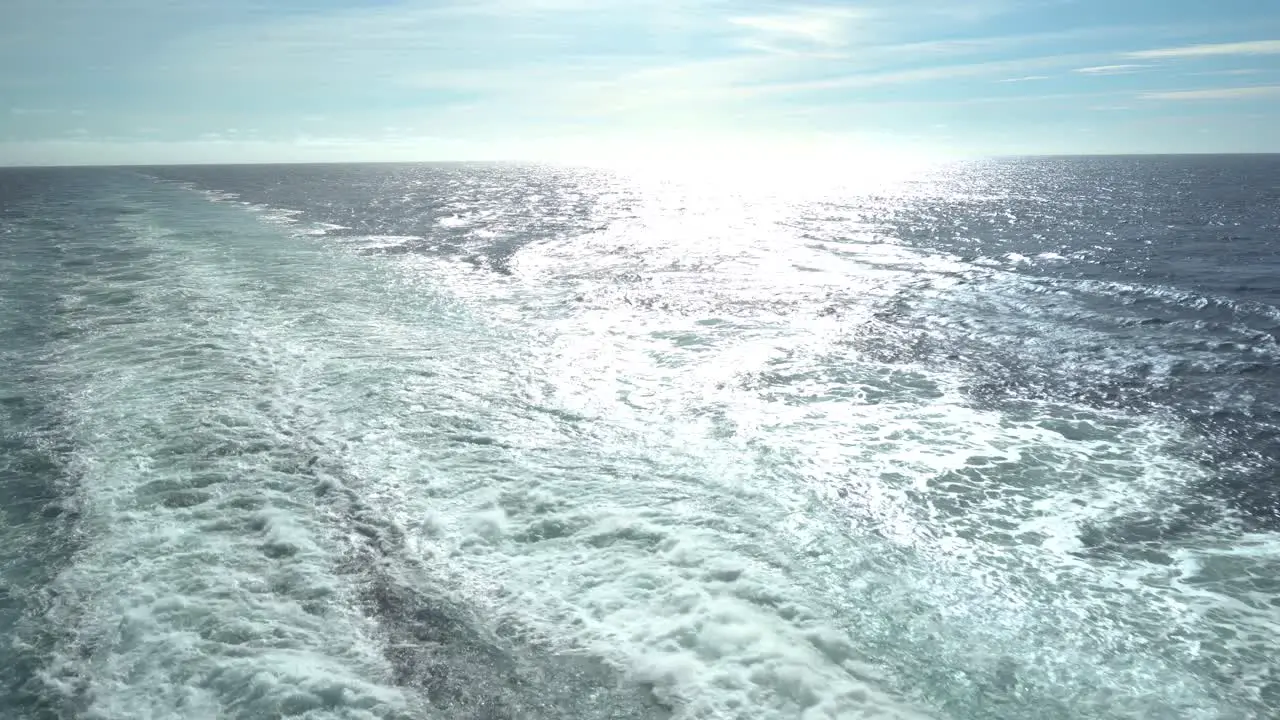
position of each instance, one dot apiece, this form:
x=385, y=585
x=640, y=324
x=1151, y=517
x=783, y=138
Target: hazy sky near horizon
x=148, y=81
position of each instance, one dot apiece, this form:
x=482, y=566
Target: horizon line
x=516, y=161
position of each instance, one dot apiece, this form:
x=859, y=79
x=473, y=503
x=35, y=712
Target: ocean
x=981, y=440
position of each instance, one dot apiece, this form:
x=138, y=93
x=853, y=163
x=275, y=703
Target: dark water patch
x=466, y=672
x=550, y=528
x=40, y=535
x=462, y=663
x=187, y=498
x=386, y=250
x=1147, y=535
x=1208, y=368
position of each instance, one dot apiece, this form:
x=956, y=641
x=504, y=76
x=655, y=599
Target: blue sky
x=297, y=80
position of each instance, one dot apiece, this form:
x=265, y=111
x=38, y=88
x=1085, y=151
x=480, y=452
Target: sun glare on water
x=795, y=168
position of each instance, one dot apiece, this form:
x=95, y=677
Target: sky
x=179, y=81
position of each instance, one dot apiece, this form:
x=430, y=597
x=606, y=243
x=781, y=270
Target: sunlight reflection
x=788, y=168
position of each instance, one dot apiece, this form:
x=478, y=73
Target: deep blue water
x=998, y=439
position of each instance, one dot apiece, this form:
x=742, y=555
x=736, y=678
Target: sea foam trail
x=206, y=587
x=37, y=505
x=240, y=560
x=764, y=455
x=439, y=425
x=661, y=464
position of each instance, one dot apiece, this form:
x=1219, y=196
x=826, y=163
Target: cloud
x=328, y=77
x=1216, y=93
x=824, y=27
x=667, y=91
x=1257, y=47
x=928, y=74
x=971, y=11
x=1111, y=69
x=1239, y=71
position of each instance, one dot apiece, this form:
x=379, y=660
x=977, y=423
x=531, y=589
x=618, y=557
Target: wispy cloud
x=1237, y=71
x=1256, y=47
x=1237, y=93
x=670, y=89
x=413, y=74
x=1044, y=99
x=1112, y=69
x=971, y=11
x=825, y=27
x=933, y=73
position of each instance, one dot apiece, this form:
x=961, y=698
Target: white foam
x=216, y=195
x=673, y=442
x=379, y=242
x=281, y=216
x=207, y=584
x=320, y=229
x=665, y=332
x=454, y=221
